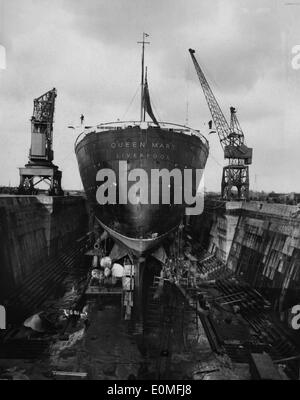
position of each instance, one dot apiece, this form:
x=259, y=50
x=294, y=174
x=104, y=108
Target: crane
x=42, y=127
x=41, y=153
x=236, y=173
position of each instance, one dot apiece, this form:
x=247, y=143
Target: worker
x=107, y=272
x=81, y=119
x=168, y=268
x=107, y=276
x=97, y=276
x=85, y=316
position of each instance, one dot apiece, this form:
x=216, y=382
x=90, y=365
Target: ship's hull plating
x=138, y=226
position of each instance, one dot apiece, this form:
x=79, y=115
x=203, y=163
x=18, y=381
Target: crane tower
x=236, y=173
x=41, y=153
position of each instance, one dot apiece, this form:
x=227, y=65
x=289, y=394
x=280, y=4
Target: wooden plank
x=103, y=293
x=70, y=373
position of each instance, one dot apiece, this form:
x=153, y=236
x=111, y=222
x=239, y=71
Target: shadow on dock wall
x=33, y=229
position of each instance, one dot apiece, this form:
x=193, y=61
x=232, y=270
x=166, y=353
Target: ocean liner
x=141, y=145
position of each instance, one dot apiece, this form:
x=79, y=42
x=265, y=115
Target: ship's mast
x=144, y=108
x=143, y=74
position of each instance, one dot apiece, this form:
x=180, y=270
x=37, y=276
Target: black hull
x=137, y=226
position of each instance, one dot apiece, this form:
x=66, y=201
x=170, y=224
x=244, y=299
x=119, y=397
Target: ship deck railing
x=119, y=125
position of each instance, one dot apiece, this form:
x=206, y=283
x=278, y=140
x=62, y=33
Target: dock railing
x=119, y=125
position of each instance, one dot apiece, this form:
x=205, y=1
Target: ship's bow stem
x=138, y=287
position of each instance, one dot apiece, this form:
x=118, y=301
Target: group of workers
x=106, y=273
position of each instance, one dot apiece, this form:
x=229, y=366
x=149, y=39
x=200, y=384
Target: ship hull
x=139, y=227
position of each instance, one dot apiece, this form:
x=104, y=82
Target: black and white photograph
x=150, y=193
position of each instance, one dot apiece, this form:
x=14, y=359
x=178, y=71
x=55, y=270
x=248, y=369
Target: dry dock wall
x=32, y=229
x=258, y=241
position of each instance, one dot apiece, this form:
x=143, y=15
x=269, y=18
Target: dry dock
x=219, y=310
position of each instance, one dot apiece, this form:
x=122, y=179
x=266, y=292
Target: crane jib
x=231, y=138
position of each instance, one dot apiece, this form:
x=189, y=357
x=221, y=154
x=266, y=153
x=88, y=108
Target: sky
x=88, y=51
